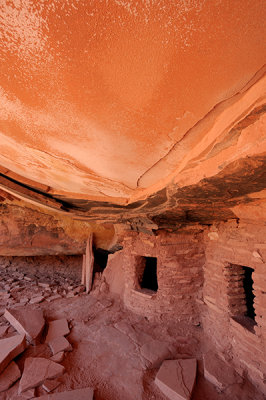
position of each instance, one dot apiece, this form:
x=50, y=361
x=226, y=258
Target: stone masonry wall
x=180, y=258
x=229, y=247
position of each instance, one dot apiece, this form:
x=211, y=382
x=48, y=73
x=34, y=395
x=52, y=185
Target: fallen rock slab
x=44, y=285
x=60, y=344
x=55, y=297
x=3, y=330
x=57, y=328
x=69, y=295
x=29, y=394
x=23, y=301
x=37, y=370
x=218, y=372
x=176, y=378
x=78, y=394
x=58, y=358
x=36, y=300
x=9, y=376
x=11, y=329
x=5, y=296
x=79, y=289
x=50, y=385
x=155, y=352
x=27, y=321
x=10, y=348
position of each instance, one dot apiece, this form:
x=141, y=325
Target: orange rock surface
x=111, y=100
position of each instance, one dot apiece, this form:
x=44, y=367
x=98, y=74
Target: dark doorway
x=149, y=278
x=100, y=260
x=249, y=295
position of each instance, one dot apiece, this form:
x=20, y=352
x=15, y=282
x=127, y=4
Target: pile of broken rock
x=30, y=326
x=18, y=288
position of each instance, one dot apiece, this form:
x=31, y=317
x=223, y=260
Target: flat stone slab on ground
x=9, y=376
x=49, y=385
x=29, y=394
x=44, y=285
x=155, y=352
x=176, y=378
x=78, y=394
x=69, y=295
x=79, y=289
x=53, y=298
x=60, y=344
x=139, y=337
x=37, y=370
x=37, y=299
x=23, y=301
x=218, y=372
x=3, y=330
x=27, y=321
x=57, y=328
x=10, y=348
x=58, y=357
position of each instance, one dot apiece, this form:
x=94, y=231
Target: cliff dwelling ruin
x=132, y=200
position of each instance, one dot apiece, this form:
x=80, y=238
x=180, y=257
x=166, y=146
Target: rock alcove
x=132, y=200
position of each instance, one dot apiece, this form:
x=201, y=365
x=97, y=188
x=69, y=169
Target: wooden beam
x=89, y=262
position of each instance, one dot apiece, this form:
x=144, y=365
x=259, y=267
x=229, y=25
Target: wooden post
x=89, y=262
x=83, y=273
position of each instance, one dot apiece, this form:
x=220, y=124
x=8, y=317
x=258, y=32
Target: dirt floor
x=115, y=351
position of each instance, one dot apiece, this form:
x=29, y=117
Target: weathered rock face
x=94, y=124
x=29, y=230
x=236, y=192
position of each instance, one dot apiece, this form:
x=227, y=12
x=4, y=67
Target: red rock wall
x=242, y=244
x=29, y=231
x=180, y=258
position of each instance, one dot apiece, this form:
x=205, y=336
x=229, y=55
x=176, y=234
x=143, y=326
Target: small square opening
x=148, y=280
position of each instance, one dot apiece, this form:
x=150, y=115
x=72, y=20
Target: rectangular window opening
x=148, y=280
x=241, y=295
x=100, y=260
x=248, y=289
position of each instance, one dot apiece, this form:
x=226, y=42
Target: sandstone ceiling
x=122, y=109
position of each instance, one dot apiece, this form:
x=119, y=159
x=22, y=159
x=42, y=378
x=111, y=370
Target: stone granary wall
x=179, y=259
x=205, y=275
x=231, y=249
